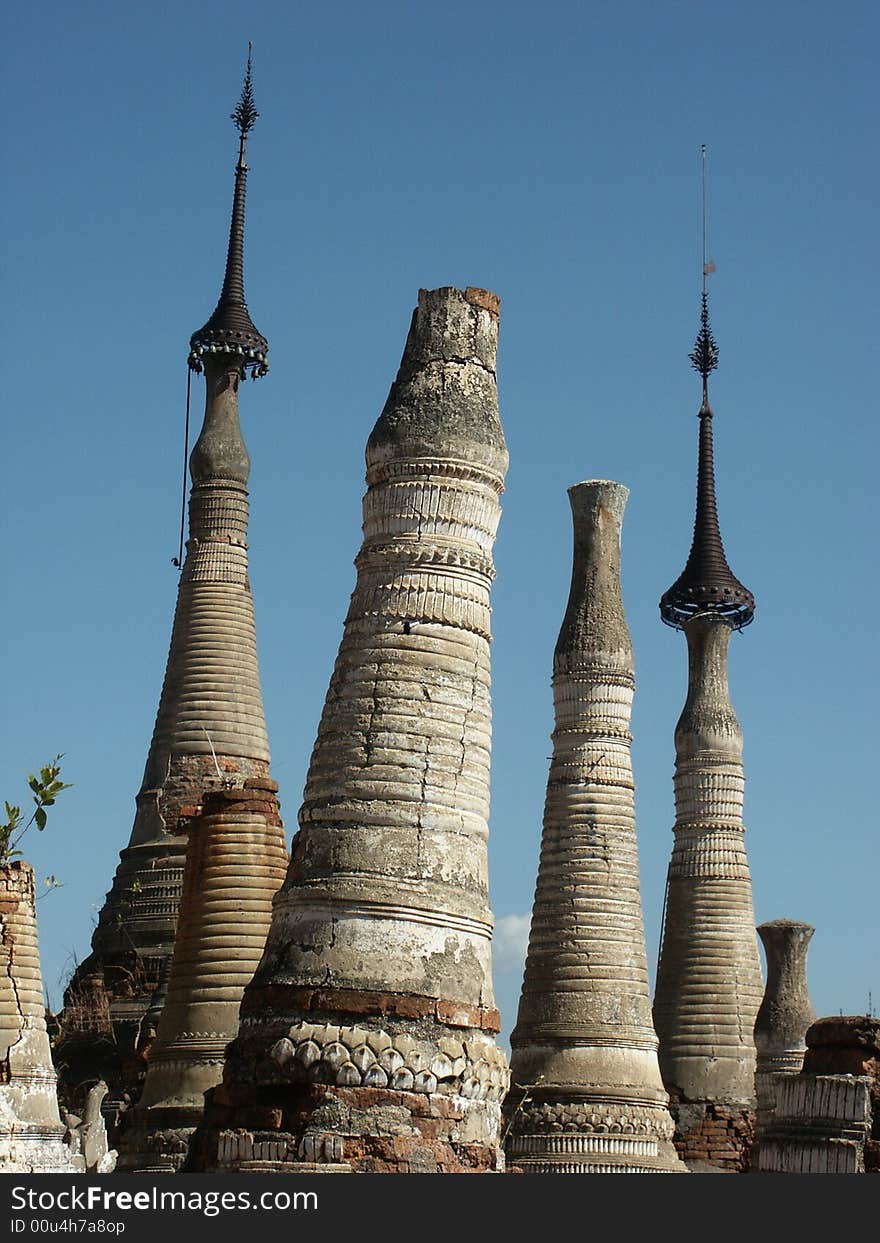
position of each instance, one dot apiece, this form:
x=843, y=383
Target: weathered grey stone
x=584, y=1040
x=709, y=980
x=785, y=1012
x=821, y=1125
x=32, y=1136
x=382, y=929
x=235, y=862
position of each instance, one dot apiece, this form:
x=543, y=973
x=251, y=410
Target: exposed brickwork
x=373, y=1131
x=361, y=1001
x=716, y=1135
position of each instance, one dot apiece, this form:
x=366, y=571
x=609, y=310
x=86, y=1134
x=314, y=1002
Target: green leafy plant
x=45, y=788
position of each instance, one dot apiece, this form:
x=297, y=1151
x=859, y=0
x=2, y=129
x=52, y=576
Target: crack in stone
x=8, y=943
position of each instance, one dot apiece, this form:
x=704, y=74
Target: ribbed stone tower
x=210, y=728
x=709, y=978
x=31, y=1130
x=584, y=1034
x=785, y=1012
x=235, y=862
x=367, y=1034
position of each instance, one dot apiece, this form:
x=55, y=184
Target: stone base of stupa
x=590, y=1135
x=395, y=1096
x=34, y=1149
x=324, y=1129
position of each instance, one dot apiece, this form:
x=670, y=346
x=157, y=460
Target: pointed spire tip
x=230, y=330
x=245, y=113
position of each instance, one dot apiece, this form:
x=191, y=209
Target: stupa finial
x=245, y=114
x=707, y=584
x=230, y=330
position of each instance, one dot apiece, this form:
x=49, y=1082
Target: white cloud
x=511, y=941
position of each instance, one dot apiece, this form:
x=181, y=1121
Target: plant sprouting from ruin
x=45, y=788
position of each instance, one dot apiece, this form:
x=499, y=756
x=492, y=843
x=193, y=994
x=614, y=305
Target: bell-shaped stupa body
x=235, y=862
x=369, y=1025
x=785, y=1012
x=210, y=727
x=32, y=1135
x=584, y=1035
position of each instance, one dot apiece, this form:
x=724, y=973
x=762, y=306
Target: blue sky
x=550, y=154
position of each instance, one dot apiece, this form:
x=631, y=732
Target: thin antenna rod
x=703, y=187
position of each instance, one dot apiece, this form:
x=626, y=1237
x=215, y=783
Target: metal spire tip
x=245, y=114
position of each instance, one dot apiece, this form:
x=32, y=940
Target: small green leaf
x=40, y=818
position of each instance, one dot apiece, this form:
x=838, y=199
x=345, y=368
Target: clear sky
x=549, y=153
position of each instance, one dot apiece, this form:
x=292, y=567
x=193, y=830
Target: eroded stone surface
x=709, y=983
x=584, y=1037
x=821, y=1125
x=235, y=862
x=32, y=1136
x=377, y=965
x=210, y=729
x=785, y=1012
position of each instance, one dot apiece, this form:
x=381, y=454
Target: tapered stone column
x=210, y=727
x=785, y=1012
x=709, y=977
x=584, y=1038
x=235, y=862
x=369, y=1025
x=31, y=1131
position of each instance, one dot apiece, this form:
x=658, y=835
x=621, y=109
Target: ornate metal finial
x=707, y=584
x=245, y=114
x=230, y=330
x=704, y=355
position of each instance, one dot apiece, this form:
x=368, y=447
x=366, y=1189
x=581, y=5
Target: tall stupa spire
x=709, y=976
x=230, y=329
x=706, y=584
x=210, y=729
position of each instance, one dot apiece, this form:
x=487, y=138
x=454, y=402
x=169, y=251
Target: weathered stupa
x=210, y=728
x=235, y=862
x=826, y=1119
x=32, y=1135
x=588, y=1095
x=785, y=1012
x=367, y=1038
x=709, y=978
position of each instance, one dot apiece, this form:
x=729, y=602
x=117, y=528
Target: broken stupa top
x=444, y=400
x=230, y=330
x=706, y=584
